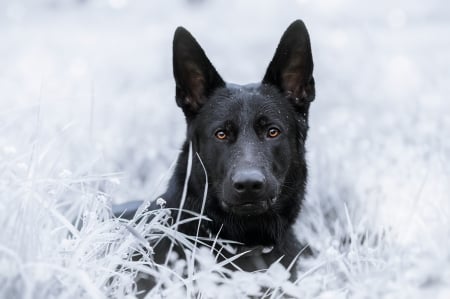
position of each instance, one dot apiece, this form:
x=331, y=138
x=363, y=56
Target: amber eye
x=221, y=135
x=273, y=132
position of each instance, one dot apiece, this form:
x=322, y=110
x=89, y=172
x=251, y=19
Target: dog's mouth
x=252, y=208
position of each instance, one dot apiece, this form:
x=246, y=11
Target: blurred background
x=86, y=90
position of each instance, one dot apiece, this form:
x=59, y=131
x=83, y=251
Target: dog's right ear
x=195, y=76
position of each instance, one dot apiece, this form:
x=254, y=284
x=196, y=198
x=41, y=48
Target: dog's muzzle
x=248, y=193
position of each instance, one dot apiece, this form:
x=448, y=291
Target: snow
x=88, y=117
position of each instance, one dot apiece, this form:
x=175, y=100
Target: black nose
x=248, y=181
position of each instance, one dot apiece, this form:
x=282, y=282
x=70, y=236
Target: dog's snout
x=248, y=181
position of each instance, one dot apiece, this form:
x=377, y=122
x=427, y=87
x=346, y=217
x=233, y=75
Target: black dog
x=249, y=140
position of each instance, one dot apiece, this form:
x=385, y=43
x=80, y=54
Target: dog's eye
x=273, y=133
x=221, y=135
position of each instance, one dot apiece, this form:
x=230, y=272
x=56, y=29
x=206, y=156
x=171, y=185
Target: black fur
x=257, y=172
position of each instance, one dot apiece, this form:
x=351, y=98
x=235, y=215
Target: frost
x=65, y=173
x=161, y=202
x=9, y=150
x=115, y=181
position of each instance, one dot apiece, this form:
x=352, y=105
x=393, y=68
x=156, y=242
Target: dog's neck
x=239, y=248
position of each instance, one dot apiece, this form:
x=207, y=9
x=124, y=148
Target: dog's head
x=250, y=138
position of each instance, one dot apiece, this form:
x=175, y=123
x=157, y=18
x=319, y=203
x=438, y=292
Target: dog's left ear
x=195, y=76
x=292, y=66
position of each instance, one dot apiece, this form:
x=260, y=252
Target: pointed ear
x=195, y=76
x=292, y=66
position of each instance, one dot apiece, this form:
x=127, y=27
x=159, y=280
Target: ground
x=88, y=118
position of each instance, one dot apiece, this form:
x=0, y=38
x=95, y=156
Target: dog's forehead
x=247, y=99
x=247, y=90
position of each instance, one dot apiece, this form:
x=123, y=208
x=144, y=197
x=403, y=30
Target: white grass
x=87, y=118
